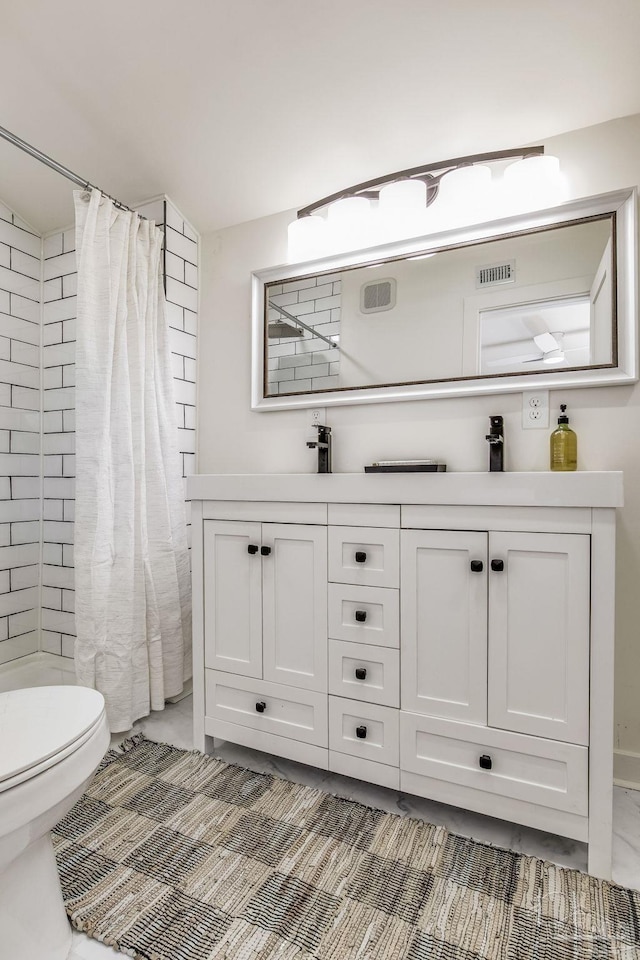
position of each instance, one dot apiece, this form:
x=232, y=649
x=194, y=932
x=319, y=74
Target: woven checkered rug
x=171, y=855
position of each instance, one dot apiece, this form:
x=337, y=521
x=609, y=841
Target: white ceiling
x=242, y=108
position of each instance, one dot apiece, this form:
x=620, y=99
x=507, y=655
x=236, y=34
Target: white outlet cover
x=535, y=409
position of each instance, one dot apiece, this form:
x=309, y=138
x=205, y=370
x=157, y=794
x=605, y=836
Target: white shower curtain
x=133, y=603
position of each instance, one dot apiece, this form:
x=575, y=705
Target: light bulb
x=464, y=196
x=308, y=239
x=402, y=209
x=533, y=183
x=349, y=223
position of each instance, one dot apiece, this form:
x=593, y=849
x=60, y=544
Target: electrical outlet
x=316, y=417
x=535, y=409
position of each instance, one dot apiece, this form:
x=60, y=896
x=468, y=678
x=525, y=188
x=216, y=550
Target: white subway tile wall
x=181, y=273
x=306, y=363
x=20, y=507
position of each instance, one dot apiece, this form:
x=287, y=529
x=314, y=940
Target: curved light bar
x=431, y=173
x=422, y=200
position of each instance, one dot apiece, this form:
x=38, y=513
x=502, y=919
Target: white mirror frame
x=622, y=202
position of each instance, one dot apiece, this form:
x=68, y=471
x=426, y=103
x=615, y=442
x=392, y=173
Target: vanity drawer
x=364, y=614
x=548, y=773
x=269, y=707
x=364, y=730
x=364, y=555
x=364, y=672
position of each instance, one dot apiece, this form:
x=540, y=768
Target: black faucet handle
x=321, y=426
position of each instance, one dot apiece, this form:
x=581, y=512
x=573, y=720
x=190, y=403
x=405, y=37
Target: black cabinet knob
x=361, y=673
x=485, y=762
x=361, y=556
x=477, y=566
x=252, y=548
x=265, y=551
x=261, y=706
x=361, y=732
x=497, y=565
x=361, y=616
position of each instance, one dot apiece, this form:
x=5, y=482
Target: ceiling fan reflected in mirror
x=550, y=345
x=550, y=351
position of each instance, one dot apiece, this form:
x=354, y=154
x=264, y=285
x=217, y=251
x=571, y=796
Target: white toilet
x=51, y=741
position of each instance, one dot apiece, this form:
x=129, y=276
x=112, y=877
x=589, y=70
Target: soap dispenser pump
x=564, y=444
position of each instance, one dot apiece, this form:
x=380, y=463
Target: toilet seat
x=40, y=726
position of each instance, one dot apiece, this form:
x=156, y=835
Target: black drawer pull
x=485, y=762
x=261, y=706
x=361, y=732
x=361, y=616
x=265, y=551
x=497, y=566
x=361, y=556
x=252, y=548
x=361, y=673
x=477, y=566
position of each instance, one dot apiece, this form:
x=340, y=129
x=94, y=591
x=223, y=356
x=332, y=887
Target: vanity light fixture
x=427, y=199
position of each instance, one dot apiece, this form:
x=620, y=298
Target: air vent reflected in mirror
x=378, y=295
x=493, y=273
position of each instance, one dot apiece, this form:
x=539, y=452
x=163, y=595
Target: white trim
x=626, y=769
x=603, y=565
x=39, y=659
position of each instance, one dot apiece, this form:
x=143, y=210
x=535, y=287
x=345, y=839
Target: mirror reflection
x=533, y=302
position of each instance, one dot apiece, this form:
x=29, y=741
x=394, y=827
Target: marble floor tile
x=84, y=948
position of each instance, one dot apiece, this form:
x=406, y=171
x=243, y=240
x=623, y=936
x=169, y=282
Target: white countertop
x=542, y=488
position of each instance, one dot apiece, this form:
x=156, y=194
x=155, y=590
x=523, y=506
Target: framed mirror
x=545, y=299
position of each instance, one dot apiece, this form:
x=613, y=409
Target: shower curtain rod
x=58, y=167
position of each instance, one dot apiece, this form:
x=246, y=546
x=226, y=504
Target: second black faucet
x=323, y=444
x=496, y=445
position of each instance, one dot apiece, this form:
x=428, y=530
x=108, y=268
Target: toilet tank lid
x=38, y=722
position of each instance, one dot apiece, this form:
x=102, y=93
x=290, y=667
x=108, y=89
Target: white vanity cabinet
x=266, y=601
x=448, y=635
x=495, y=671
x=495, y=629
x=364, y=641
x=264, y=626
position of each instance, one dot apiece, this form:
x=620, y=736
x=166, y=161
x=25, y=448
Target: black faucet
x=323, y=443
x=496, y=445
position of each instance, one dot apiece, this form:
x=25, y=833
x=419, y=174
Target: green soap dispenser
x=564, y=444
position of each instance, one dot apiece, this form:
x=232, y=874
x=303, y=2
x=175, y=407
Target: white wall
x=232, y=438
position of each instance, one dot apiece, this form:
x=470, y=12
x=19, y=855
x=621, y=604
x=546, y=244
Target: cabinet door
x=232, y=597
x=539, y=634
x=444, y=624
x=294, y=583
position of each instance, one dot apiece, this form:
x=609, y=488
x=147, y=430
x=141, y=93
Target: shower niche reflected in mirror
x=545, y=297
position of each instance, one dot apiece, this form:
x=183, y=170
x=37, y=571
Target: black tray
x=405, y=468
